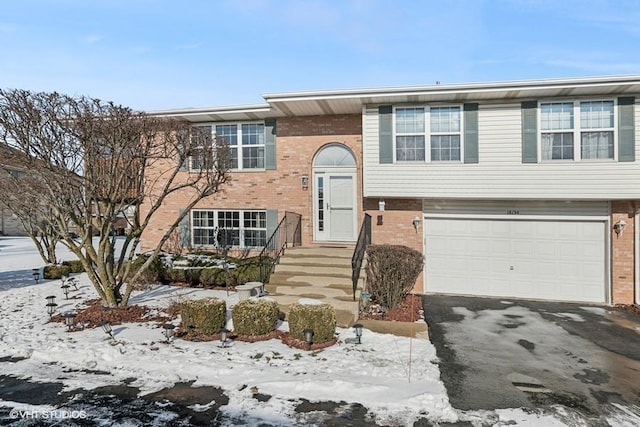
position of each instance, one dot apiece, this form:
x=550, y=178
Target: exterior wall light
x=619, y=226
x=305, y=182
x=416, y=223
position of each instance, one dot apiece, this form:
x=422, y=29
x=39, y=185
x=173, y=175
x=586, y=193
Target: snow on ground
x=396, y=378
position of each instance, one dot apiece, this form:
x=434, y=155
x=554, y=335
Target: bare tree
x=27, y=207
x=98, y=162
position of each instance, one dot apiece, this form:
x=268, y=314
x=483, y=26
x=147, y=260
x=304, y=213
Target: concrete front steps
x=322, y=273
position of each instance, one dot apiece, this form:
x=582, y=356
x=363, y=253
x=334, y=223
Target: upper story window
x=588, y=123
x=434, y=130
x=246, y=143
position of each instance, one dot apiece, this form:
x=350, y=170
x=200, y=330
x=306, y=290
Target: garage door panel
x=560, y=260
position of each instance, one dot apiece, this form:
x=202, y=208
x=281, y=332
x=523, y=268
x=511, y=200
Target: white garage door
x=556, y=260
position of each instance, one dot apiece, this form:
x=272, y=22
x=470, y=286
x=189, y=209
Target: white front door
x=334, y=205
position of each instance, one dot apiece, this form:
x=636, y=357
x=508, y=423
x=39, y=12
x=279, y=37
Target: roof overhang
x=351, y=101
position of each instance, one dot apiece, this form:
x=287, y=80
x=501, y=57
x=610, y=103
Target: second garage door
x=539, y=259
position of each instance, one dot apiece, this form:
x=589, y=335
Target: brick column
x=622, y=255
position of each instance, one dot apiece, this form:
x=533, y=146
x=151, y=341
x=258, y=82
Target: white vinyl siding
x=500, y=173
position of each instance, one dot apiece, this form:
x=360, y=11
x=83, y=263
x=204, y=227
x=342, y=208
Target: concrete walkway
x=322, y=273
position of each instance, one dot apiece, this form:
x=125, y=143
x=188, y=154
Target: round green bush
x=255, y=317
x=321, y=318
x=204, y=316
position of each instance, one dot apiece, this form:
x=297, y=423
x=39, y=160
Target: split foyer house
x=524, y=189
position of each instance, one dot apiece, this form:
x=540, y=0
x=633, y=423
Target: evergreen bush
x=255, y=317
x=204, y=316
x=392, y=271
x=321, y=318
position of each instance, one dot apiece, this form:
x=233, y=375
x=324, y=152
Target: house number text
x=513, y=212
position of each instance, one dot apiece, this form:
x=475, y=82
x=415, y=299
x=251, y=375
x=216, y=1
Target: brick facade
x=298, y=140
x=397, y=226
x=623, y=268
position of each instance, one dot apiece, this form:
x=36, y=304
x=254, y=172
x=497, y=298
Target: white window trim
x=241, y=229
x=577, y=130
x=239, y=145
x=427, y=134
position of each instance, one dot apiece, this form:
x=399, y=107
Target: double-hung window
x=445, y=133
x=597, y=129
x=588, y=123
x=434, y=130
x=201, y=135
x=410, y=134
x=246, y=143
x=229, y=228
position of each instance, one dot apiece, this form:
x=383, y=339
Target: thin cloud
x=92, y=39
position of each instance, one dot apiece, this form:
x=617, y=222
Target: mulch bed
x=630, y=308
x=410, y=310
x=94, y=313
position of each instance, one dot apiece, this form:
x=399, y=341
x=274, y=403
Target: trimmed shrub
x=153, y=274
x=55, y=271
x=212, y=277
x=75, y=266
x=321, y=318
x=204, y=316
x=255, y=317
x=392, y=271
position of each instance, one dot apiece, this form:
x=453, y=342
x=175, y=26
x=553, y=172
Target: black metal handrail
x=287, y=232
x=364, y=240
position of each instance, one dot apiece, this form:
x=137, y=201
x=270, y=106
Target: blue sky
x=156, y=54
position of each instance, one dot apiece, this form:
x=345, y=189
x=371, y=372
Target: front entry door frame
x=322, y=209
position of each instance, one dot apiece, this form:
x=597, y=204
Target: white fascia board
x=453, y=88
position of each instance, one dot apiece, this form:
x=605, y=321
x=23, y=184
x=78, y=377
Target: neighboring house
x=515, y=189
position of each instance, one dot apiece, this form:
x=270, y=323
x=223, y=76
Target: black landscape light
x=74, y=282
x=358, y=330
x=50, y=299
x=308, y=336
x=168, y=330
x=36, y=275
x=68, y=320
x=223, y=336
x=51, y=308
x=65, y=288
x=106, y=327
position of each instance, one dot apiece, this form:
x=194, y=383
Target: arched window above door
x=334, y=155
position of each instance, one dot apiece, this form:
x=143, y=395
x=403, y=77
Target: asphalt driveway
x=503, y=353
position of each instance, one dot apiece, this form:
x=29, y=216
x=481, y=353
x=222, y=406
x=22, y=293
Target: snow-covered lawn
x=396, y=378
